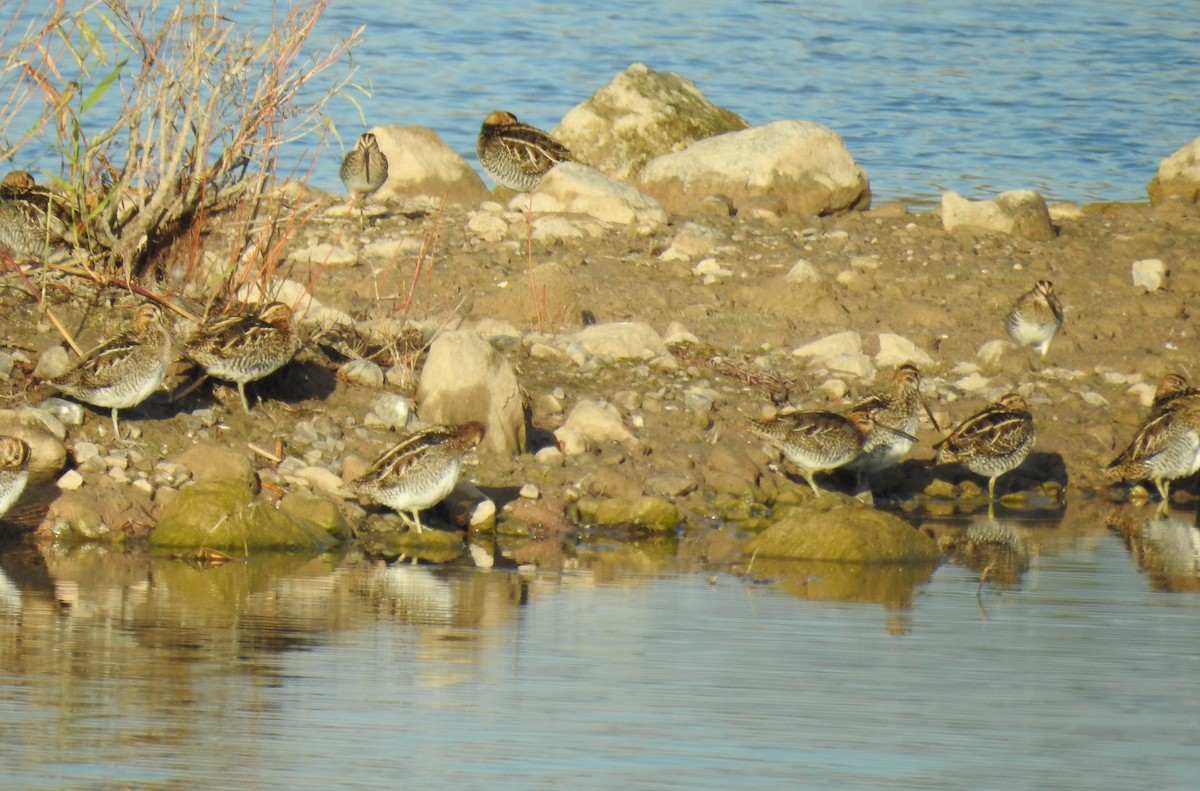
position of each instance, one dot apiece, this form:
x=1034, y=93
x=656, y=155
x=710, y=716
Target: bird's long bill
x=928, y=412
x=898, y=432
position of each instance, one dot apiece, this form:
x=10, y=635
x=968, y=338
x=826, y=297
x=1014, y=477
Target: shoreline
x=884, y=272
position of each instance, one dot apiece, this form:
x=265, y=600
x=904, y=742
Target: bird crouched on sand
x=123, y=371
x=244, y=347
x=817, y=440
x=517, y=155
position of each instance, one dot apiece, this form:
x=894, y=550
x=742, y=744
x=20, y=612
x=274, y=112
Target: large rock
x=571, y=188
x=224, y=515
x=801, y=163
x=640, y=115
x=896, y=350
x=841, y=352
x=1020, y=213
x=619, y=340
x=1178, y=176
x=846, y=533
x=420, y=163
x=214, y=461
x=465, y=379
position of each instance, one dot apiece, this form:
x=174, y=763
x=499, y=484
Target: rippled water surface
x=1043, y=655
x=1078, y=99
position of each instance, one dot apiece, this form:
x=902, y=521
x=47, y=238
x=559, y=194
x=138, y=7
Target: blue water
x=120, y=671
x=1078, y=99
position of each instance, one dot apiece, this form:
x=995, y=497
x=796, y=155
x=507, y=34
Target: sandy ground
x=884, y=271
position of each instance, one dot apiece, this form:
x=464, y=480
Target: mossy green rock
x=848, y=534
x=224, y=515
x=652, y=513
x=322, y=512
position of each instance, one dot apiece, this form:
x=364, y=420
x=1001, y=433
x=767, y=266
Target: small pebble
x=70, y=480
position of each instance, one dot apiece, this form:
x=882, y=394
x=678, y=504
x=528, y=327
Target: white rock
x=481, y=556
x=599, y=421
x=1092, y=398
x=420, y=163
x=320, y=478
x=70, y=481
x=493, y=330
x=487, y=226
x=858, y=365
x=803, y=271
x=1149, y=273
x=465, y=378
x=554, y=227
x=390, y=249
x=364, y=372
x=1020, y=213
x=85, y=451
x=483, y=513
x=1143, y=392
x=848, y=342
x=571, y=441
x=639, y=115
x=392, y=409
x=710, y=271
x=677, y=333
x=834, y=389
x=991, y=352
x=616, y=341
x=896, y=350
x=63, y=412
x=324, y=254
x=572, y=188
x=52, y=362
x=973, y=383
x=550, y=457
x=1178, y=175
x=529, y=491
x=693, y=240
x=544, y=351
x=802, y=163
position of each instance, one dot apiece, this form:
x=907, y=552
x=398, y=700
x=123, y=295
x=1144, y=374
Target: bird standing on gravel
x=420, y=471
x=1036, y=317
x=364, y=168
x=993, y=441
x=245, y=347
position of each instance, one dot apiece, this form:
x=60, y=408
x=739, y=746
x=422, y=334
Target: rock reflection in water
x=891, y=585
x=1166, y=547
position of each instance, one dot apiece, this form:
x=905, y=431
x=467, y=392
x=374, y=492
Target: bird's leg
x=808, y=476
x=242, y=393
